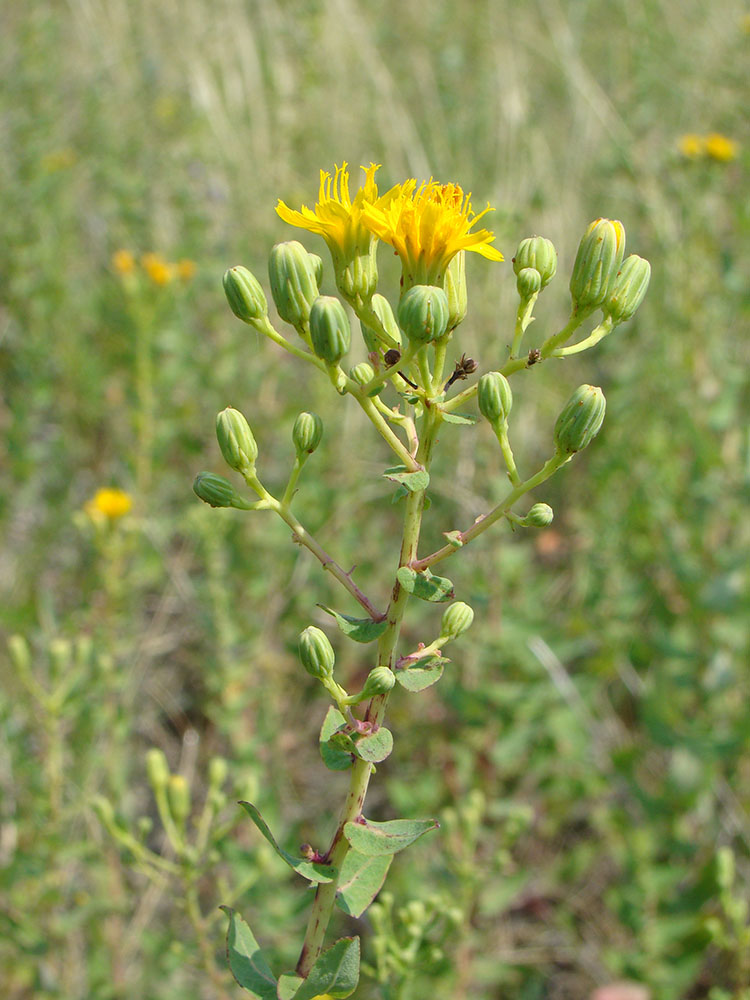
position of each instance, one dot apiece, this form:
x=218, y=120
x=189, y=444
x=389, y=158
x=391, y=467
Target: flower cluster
x=156, y=268
x=713, y=146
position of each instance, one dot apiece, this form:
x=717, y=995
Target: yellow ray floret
x=427, y=226
x=336, y=217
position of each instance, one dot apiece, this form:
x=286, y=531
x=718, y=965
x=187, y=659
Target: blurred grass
x=604, y=686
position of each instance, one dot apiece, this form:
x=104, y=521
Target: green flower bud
x=178, y=792
x=597, y=262
x=362, y=373
x=528, y=282
x=629, y=288
x=217, y=491
x=382, y=309
x=244, y=294
x=157, y=768
x=104, y=810
x=316, y=652
x=236, y=440
x=580, y=420
x=307, y=433
x=329, y=329
x=294, y=284
x=217, y=772
x=495, y=397
x=456, y=620
x=317, y=263
x=539, y=253
x=454, y=286
x=539, y=516
x=423, y=313
x=356, y=270
x=380, y=680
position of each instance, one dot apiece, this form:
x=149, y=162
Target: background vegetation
x=587, y=750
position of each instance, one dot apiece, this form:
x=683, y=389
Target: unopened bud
x=597, y=262
x=629, y=288
x=382, y=309
x=528, y=282
x=316, y=652
x=294, y=284
x=539, y=253
x=580, y=420
x=236, y=440
x=217, y=772
x=217, y=491
x=329, y=329
x=380, y=680
x=307, y=433
x=317, y=263
x=454, y=286
x=456, y=620
x=539, y=516
x=423, y=313
x=244, y=294
x=157, y=768
x=178, y=791
x=495, y=397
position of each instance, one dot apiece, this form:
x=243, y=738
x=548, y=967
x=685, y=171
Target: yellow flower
x=158, y=270
x=60, y=159
x=109, y=503
x=186, y=269
x=427, y=226
x=123, y=262
x=691, y=145
x=338, y=219
x=720, y=147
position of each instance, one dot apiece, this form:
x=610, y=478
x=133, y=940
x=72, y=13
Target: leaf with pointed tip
x=421, y=674
x=428, y=588
x=246, y=960
x=359, y=629
x=458, y=418
x=334, y=758
x=375, y=746
x=336, y=972
x=413, y=481
x=360, y=881
x=289, y=983
x=454, y=538
x=312, y=870
x=374, y=839
x=400, y=493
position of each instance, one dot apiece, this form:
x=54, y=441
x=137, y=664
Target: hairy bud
x=495, y=397
x=244, y=294
x=329, y=329
x=294, y=284
x=316, y=652
x=539, y=253
x=580, y=420
x=307, y=433
x=423, y=313
x=236, y=440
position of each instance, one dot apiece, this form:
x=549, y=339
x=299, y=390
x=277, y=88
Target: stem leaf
x=421, y=674
x=458, y=418
x=426, y=587
x=289, y=983
x=360, y=881
x=336, y=972
x=375, y=747
x=358, y=629
x=312, y=870
x=334, y=758
x=246, y=960
x=374, y=839
x=413, y=481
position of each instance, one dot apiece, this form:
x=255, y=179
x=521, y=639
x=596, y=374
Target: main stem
x=325, y=894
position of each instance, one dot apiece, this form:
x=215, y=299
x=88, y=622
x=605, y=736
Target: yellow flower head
x=109, y=503
x=337, y=217
x=691, y=145
x=158, y=270
x=123, y=262
x=720, y=147
x=186, y=269
x=427, y=226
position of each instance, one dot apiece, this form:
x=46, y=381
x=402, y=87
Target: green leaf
x=312, y=870
x=360, y=881
x=421, y=674
x=437, y=589
x=413, y=481
x=289, y=983
x=374, y=839
x=336, y=972
x=246, y=960
x=454, y=538
x=400, y=493
x=359, y=629
x=458, y=418
x=333, y=758
x=374, y=747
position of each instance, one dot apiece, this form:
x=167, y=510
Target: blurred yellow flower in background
x=123, y=262
x=109, y=502
x=185, y=269
x=157, y=268
x=691, y=145
x=720, y=147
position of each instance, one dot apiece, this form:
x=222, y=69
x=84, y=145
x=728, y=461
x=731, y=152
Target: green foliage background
x=587, y=749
